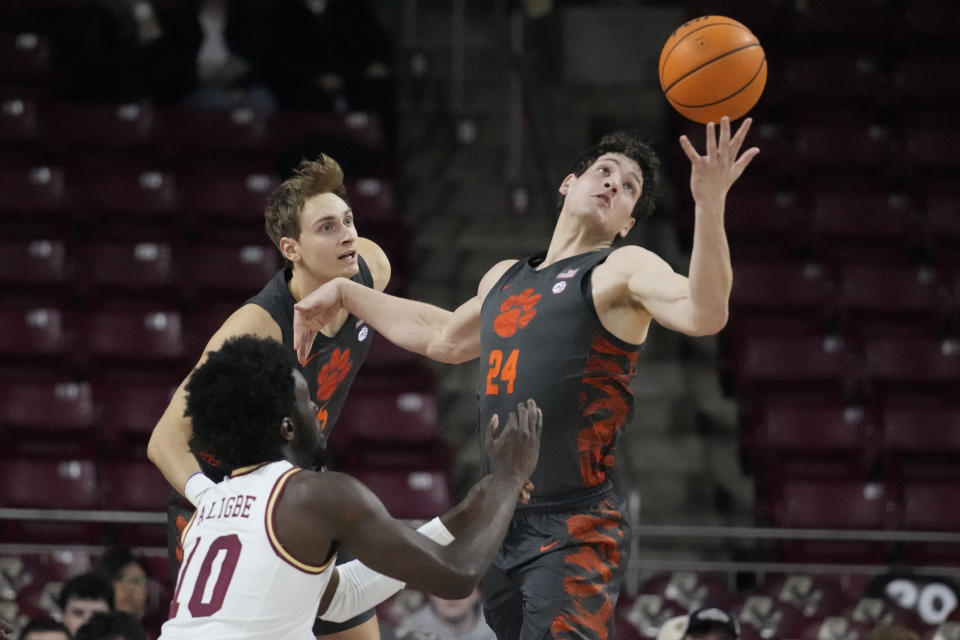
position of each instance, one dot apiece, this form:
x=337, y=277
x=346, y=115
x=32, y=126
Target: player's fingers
x=746, y=158
x=688, y=149
x=724, y=133
x=522, y=418
x=739, y=137
x=490, y=433
x=711, y=140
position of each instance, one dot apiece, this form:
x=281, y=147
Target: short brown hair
x=310, y=178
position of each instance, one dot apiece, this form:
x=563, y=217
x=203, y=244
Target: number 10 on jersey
x=501, y=371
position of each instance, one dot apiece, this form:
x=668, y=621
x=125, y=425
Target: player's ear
x=565, y=185
x=286, y=429
x=290, y=249
x=625, y=229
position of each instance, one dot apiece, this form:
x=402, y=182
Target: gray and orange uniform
x=541, y=338
x=330, y=370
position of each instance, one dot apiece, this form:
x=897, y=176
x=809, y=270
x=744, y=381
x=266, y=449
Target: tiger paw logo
x=333, y=373
x=516, y=312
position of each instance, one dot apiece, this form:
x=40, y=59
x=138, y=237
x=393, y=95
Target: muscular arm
x=697, y=305
x=168, y=448
x=445, y=336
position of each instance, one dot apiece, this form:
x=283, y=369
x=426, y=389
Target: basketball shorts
x=559, y=571
x=179, y=511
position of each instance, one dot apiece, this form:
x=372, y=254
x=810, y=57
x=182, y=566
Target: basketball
x=712, y=67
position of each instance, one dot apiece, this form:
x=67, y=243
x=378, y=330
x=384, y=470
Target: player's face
x=606, y=192
x=309, y=437
x=78, y=611
x=328, y=238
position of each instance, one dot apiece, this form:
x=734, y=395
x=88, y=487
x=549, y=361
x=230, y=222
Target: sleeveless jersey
x=237, y=581
x=541, y=338
x=334, y=361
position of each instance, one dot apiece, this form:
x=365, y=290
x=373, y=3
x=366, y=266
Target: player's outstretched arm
x=695, y=305
x=336, y=507
x=169, y=447
x=445, y=336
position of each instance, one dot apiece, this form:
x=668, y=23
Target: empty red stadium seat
x=927, y=20
x=33, y=333
x=18, y=120
x=24, y=57
x=912, y=71
x=135, y=485
x=32, y=190
x=49, y=484
x=921, y=439
x=33, y=261
x=131, y=336
x=842, y=73
x=793, y=361
x=185, y=132
x=419, y=495
x=225, y=192
x=240, y=270
x=48, y=418
x=781, y=286
x=355, y=140
x=923, y=364
x=128, y=412
x=928, y=146
x=372, y=200
x=893, y=299
x=862, y=146
x=139, y=191
x=85, y=126
x=132, y=267
x=931, y=505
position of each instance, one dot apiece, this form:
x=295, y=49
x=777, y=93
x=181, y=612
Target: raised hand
x=515, y=448
x=712, y=174
x=312, y=314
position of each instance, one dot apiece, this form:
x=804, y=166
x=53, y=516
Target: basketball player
x=260, y=549
x=566, y=327
x=312, y=225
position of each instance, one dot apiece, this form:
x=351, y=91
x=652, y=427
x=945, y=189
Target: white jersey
x=236, y=580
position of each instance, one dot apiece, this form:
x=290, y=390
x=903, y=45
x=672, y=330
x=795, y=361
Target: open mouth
x=349, y=255
x=604, y=198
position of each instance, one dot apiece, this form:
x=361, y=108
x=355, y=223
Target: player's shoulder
x=325, y=492
x=250, y=319
x=493, y=274
x=631, y=258
x=377, y=261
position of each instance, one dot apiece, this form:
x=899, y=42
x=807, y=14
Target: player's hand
x=515, y=448
x=712, y=174
x=312, y=313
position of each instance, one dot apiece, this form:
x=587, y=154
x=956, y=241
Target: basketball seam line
x=701, y=28
x=709, y=62
x=710, y=104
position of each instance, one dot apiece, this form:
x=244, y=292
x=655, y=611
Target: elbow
x=153, y=447
x=711, y=323
x=448, y=353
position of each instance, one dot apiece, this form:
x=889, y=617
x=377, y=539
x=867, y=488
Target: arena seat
x=931, y=20
x=920, y=440
x=372, y=200
x=893, y=299
x=184, y=133
x=910, y=363
x=414, y=495
x=128, y=411
x=135, y=485
x=18, y=120
x=32, y=190
x=38, y=333
x=130, y=267
x=25, y=57
x=912, y=70
x=31, y=262
x=110, y=189
x=225, y=192
x=87, y=127
x=856, y=146
x=134, y=337
x=237, y=271
x=48, y=418
x=927, y=146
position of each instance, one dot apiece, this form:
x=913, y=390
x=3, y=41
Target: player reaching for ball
x=566, y=327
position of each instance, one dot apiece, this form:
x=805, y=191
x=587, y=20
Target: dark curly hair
x=238, y=397
x=630, y=144
x=115, y=625
x=285, y=204
x=86, y=586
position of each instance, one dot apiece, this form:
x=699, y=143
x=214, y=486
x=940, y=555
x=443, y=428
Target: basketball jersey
x=237, y=581
x=541, y=338
x=333, y=361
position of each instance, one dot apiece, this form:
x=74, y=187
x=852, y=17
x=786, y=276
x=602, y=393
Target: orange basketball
x=712, y=67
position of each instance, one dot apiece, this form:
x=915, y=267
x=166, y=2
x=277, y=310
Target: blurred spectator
x=448, y=619
x=44, y=628
x=81, y=597
x=892, y=632
x=129, y=575
x=707, y=623
x=112, y=625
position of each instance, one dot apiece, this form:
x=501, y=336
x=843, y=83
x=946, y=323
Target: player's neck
x=571, y=238
x=302, y=283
